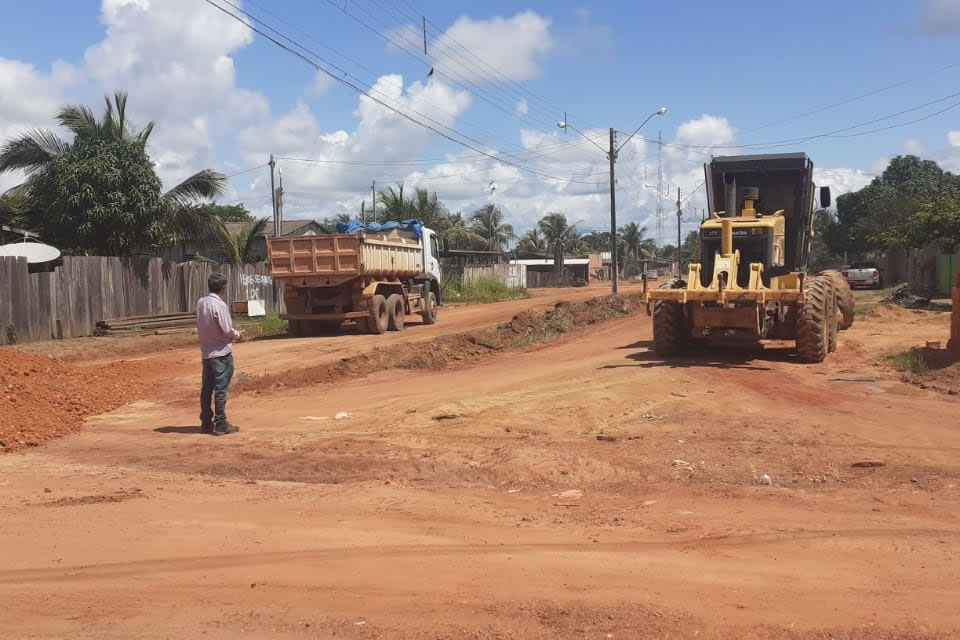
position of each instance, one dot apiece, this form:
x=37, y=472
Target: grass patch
x=912, y=361
x=270, y=324
x=481, y=290
x=866, y=300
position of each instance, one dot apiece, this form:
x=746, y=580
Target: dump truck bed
x=393, y=254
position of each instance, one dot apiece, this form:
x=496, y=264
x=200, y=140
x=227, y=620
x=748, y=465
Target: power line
x=358, y=89
x=551, y=106
x=455, y=77
x=834, y=133
x=855, y=98
x=373, y=73
x=239, y=173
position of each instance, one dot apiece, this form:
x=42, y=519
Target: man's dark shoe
x=224, y=429
x=206, y=426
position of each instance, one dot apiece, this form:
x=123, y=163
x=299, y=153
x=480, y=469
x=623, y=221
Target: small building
x=541, y=272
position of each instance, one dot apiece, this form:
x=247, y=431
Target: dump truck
x=373, y=277
x=753, y=278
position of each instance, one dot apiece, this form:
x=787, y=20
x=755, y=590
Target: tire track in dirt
x=202, y=563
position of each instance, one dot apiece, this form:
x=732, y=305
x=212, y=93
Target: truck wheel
x=813, y=326
x=845, y=304
x=379, y=315
x=396, y=315
x=671, y=333
x=833, y=323
x=429, y=313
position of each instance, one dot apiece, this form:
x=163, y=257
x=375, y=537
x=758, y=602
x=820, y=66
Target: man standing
x=217, y=335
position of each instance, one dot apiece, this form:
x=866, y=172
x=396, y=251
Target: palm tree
x=558, y=234
x=456, y=235
x=395, y=206
x=636, y=246
x=487, y=222
x=35, y=152
x=532, y=242
x=633, y=237
x=239, y=247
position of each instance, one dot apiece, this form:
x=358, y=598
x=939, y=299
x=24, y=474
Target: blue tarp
x=354, y=226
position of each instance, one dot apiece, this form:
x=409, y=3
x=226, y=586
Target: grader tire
x=813, y=322
x=844, y=298
x=671, y=336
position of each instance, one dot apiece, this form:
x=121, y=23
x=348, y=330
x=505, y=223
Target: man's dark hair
x=216, y=282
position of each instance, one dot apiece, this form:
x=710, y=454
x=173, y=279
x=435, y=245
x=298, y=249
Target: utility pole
x=679, y=214
x=363, y=212
x=280, y=202
x=273, y=197
x=613, y=213
x=373, y=192
x=660, y=188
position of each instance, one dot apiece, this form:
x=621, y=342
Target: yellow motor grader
x=754, y=247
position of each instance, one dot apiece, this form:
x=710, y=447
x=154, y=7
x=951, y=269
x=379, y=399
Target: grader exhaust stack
x=752, y=279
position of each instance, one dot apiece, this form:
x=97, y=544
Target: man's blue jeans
x=217, y=373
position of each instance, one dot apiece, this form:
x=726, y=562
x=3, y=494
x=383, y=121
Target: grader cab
x=752, y=280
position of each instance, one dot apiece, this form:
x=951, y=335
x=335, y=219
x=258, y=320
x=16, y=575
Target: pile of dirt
x=525, y=329
x=42, y=398
x=910, y=297
x=938, y=370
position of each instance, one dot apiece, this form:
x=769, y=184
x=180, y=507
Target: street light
x=612, y=156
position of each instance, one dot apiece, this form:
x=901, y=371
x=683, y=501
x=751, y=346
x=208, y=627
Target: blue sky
x=226, y=99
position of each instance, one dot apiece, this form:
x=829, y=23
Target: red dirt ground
x=42, y=399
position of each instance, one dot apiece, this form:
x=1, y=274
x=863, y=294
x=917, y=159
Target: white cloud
x=29, y=98
x=841, y=180
x=513, y=46
x=522, y=107
x=954, y=138
x=914, y=147
x=322, y=83
x=174, y=59
x=707, y=130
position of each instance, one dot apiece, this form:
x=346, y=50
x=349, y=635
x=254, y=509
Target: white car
x=864, y=274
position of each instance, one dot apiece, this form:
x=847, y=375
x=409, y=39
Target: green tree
x=456, y=234
x=691, y=247
x=395, y=205
x=227, y=212
x=487, y=222
x=100, y=193
x=239, y=248
x=558, y=234
x=532, y=242
x=865, y=217
x=932, y=223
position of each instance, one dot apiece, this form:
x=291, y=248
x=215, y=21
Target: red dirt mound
x=42, y=398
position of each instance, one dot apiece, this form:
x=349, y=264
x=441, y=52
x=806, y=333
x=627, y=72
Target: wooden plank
x=95, y=289
x=20, y=300
x=45, y=308
x=64, y=307
x=6, y=295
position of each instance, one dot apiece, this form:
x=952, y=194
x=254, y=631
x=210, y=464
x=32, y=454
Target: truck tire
x=813, y=325
x=845, y=304
x=429, y=313
x=396, y=315
x=833, y=323
x=671, y=335
x=379, y=315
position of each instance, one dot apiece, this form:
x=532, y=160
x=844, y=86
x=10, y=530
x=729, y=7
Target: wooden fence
x=69, y=301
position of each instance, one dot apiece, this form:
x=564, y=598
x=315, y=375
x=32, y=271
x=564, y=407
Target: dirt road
x=581, y=488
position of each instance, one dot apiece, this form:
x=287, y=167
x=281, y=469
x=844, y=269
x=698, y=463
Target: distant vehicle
x=864, y=274
x=374, y=276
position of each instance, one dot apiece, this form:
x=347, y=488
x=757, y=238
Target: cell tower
x=660, y=189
